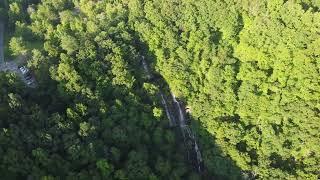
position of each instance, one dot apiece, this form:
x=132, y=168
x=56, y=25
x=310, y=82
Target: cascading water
x=145, y=67
x=181, y=115
x=188, y=136
x=164, y=103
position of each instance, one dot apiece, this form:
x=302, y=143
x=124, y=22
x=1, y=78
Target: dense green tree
x=248, y=71
x=86, y=118
x=17, y=46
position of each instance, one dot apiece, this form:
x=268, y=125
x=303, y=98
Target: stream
x=194, y=154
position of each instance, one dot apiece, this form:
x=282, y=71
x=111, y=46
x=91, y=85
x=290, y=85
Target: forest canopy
x=248, y=72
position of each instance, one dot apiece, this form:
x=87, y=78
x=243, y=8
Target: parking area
x=23, y=72
x=12, y=66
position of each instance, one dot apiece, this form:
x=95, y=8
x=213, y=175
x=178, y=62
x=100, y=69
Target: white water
x=181, y=116
x=185, y=129
x=145, y=67
x=199, y=157
x=164, y=103
x=182, y=120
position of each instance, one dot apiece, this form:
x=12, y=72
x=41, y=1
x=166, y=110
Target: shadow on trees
x=216, y=165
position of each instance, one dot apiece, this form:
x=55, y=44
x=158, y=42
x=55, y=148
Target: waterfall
x=181, y=115
x=164, y=103
x=145, y=67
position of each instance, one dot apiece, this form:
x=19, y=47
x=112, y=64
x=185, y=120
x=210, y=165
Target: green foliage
x=69, y=44
x=104, y=167
x=86, y=119
x=157, y=112
x=18, y=46
x=247, y=70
